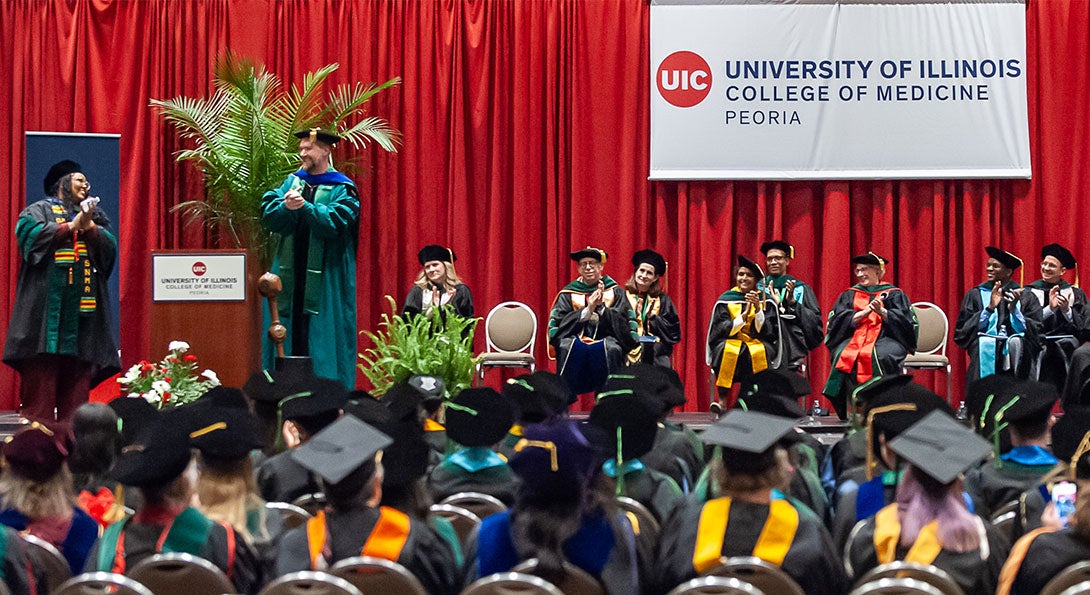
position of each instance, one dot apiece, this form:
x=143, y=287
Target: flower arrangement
x=170, y=382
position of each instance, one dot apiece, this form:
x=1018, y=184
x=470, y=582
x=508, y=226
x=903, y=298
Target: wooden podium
x=209, y=299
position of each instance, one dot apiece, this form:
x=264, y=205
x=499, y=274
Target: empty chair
x=576, y=581
x=930, y=342
x=510, y=331
x=896, y=586
x=757, y=572
x=97, y=583
x=308, y=582
x=49, y=560
x=1078, y=572
x=376, y=575
x=479, y=504
x=169, y=573
x=715, y=585
x=463, y=521
x=291, y=516
x=511, y=583
x=927, y=573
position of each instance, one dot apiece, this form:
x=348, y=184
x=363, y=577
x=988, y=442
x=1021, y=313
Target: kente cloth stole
x=775, y=540
x=860, y=349
x=75, y=257
x=732, y=347
x=887, y=533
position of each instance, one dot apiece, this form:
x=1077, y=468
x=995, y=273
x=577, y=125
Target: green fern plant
x=242, y=140
x=437, y=346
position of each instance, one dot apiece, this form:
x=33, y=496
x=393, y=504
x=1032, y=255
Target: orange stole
x=860, y=349
x=386, y=540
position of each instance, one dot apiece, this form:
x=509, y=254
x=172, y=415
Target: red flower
x=145, y=366
x=190, y=357
x=166, y=396
x=167, y=378
x=172, y=359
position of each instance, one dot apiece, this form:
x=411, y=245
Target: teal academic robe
x=316, y=262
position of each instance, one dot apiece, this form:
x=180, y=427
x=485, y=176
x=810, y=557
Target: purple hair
x=921, y=499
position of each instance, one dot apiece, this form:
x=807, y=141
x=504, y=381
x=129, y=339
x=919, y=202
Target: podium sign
x=198, y=277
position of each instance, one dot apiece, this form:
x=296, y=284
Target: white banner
x=821, y=89
x=210, y=277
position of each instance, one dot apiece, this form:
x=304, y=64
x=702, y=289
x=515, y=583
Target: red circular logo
x=684, y=79
x=199, y=268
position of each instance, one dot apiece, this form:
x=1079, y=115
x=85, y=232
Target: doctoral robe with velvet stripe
x=809, y=557
x=657, y=317
x=316, y=261
x=800, y=321
x=1020, y=318
x=751, y=334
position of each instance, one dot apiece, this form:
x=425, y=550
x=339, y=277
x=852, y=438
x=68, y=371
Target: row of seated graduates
x=665, y=472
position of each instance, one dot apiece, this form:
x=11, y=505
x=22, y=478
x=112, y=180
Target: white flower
x=133, y=395
x=131, y=374
x=211, y=376
x=151, y=397
x=179, y=346
x=160, y=386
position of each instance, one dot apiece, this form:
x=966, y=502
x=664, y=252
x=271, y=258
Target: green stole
x=187, y=534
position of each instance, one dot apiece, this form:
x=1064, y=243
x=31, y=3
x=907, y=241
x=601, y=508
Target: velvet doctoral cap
x=58, y=170
x=36, y=453
x=753, y=267
x=1066, y=258
x=555, y=460
x=1005, y=258
x=648, y=256
x=589, y=252
x=787, y=249
x=158, y=455
x=318, y=135
x=435, y=252
x=538, y=396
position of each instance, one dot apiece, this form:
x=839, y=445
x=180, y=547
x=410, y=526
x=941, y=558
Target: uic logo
x=684, y=79
x=199, y=268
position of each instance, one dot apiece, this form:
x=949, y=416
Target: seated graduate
x=630, y=420
x=435, y=393
x=591, y=325
x=742, y=333
x=155, y=463
x=995, y=326
x=1023, y=411
x=657, y=321
x=800, y=316
x=751, y=517
x=559, y=515
x=19, y=574
x=1063, y=315
x=930, y=523
x=538, y=397
x=36, y=494
x=1041, y=554
x=477, y=419
x=677, y=450
x=871, y=330
x=316, y=405
x=892, y=408
x=437, y=285
x=343, y=456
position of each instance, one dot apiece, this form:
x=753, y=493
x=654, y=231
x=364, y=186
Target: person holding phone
x=1061, y=539
x=437, y=285
x=59, y=338
x=871, y=331
x=995, y=326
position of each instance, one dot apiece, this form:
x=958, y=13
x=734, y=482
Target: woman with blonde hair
x=437, y=285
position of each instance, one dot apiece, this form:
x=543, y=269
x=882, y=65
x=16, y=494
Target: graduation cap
x=1032, y=403
x=629, y=423
x=980, y=398
x=319, y=135
x=894, y=410
x=223, y=397
x=133, y=415
x=406, y=458
x=538, y=396
x=940, y=447
x=479, y=417
x=36, y=453
x=555, y=460
x=1005, y=258
x=661, y=387
x=771, y=404
x=863, y=393
x=271, y=386
x=787, y=249
x=783, y=383
x=432, y=387
x=433, y=252
x=224, y=433
x=1066, y=258
x=748, y=439
x=315, y=405
x=745, y=263
x=589, y=252
x=58, y=170
x=346, y=445
x=1071, y=440
x=158, y=455
x=403, y=400
x=648, y=256
x=871, y=259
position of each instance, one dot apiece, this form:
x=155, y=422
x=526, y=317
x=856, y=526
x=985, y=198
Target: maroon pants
x=49, y=382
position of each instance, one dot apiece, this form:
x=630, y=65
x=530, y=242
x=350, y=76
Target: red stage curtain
x=525, y=135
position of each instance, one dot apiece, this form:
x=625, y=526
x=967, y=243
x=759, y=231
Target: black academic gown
x=1048, y=554
x=1020, y=321
x=417, y=302
x=655, y=317
x=748, y=333
x=800, y=319
x=677, y=452
x=996, y=483
x=448, y=478
x=424, y=553
x=849, y=344
x=654, y=489
x=1059, y=331
x=19, y=574
x=281, y=479
x=976, y=571
x=810, y=558
x=612, y=329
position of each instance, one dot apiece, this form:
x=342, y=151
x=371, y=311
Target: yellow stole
x=776, y=537
x=651, y=308
x=887, y=533
x=732, y=347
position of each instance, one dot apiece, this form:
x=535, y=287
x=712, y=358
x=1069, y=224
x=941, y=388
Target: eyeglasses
x=588, y=265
